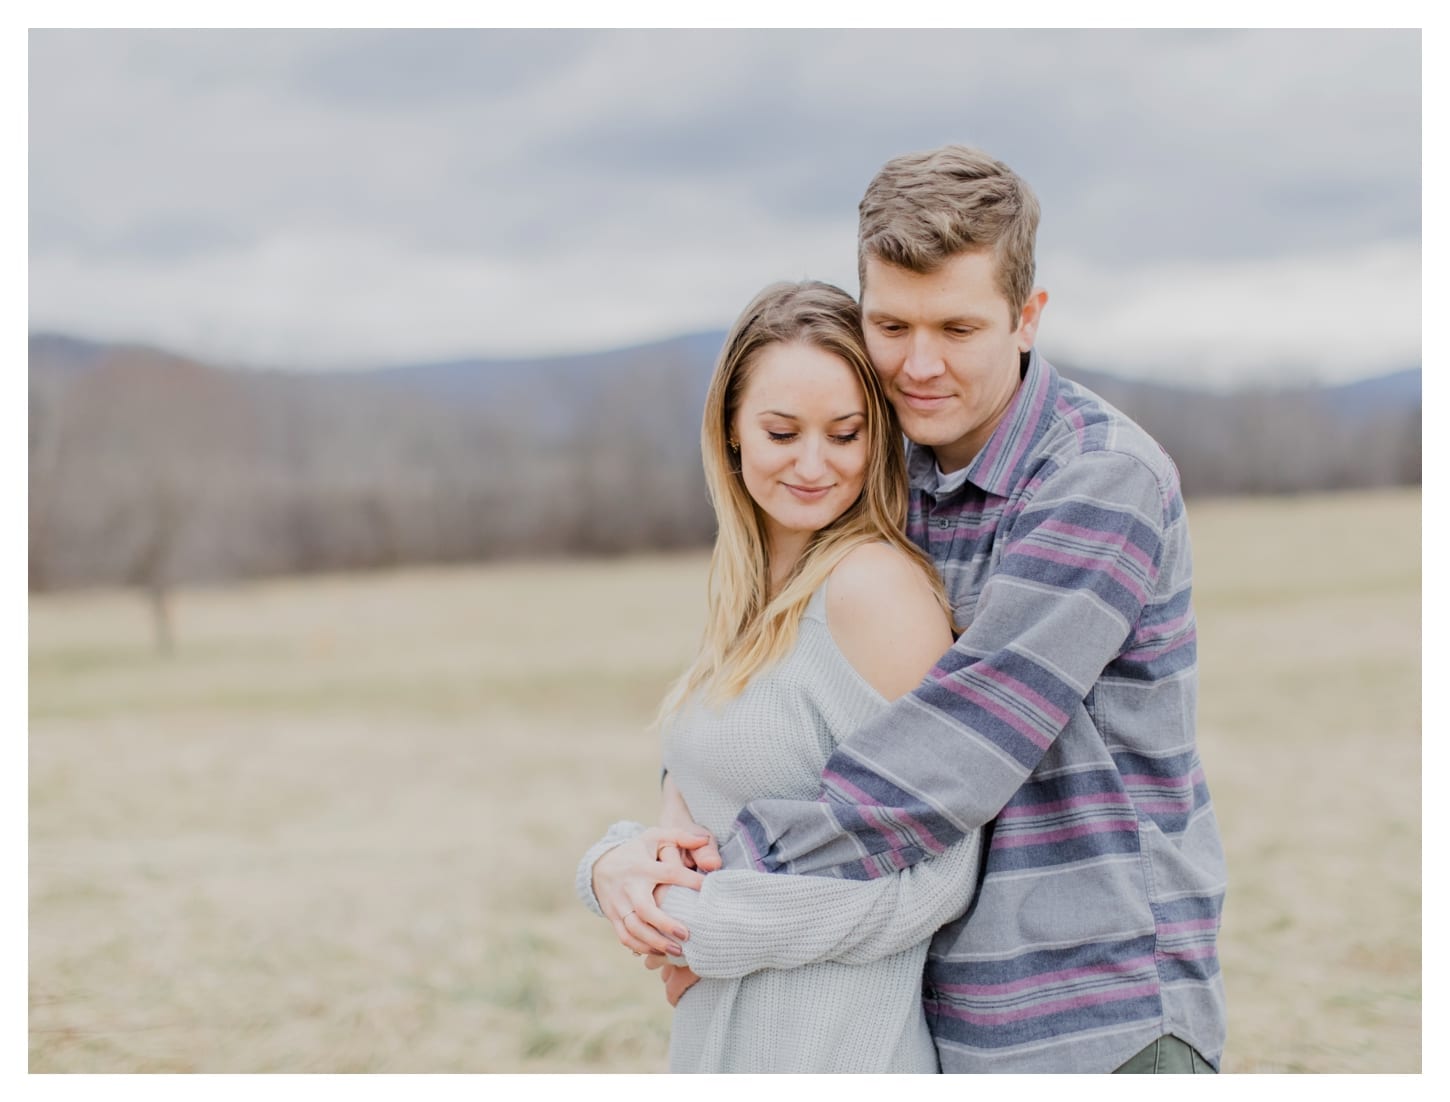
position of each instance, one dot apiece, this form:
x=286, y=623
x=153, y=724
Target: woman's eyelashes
x=840, y=438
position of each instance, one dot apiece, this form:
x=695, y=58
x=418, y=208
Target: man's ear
x=1031, y=315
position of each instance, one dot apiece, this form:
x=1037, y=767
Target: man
x=1062, y=720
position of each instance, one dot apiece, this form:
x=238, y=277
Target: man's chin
x=926, y=432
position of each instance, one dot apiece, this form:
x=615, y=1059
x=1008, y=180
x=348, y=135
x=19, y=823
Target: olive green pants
x=1168, y=1056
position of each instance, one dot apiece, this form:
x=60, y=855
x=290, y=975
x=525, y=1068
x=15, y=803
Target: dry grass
x=338, y=830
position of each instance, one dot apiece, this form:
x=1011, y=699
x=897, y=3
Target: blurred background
x=367, y=525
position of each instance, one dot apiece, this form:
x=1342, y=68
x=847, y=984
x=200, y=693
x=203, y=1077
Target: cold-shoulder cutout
x=885, y=619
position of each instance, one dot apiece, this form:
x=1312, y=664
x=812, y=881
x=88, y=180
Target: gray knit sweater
x=800, y=973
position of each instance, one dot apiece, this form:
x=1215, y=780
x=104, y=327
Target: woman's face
x=801, y=427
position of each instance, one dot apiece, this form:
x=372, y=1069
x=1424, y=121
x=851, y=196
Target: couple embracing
x=941, y=721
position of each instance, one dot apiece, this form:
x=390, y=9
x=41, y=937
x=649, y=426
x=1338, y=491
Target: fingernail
x=681, y=933
x=676, y=951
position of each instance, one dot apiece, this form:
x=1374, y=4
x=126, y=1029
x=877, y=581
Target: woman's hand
x=625, y=879
x=678, y=977
x=675, y=815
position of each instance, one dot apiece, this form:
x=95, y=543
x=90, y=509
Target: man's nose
x=923, y=358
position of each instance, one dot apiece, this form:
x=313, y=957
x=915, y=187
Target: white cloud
x=1327, y=317
x=324, y=199
x=362, y=299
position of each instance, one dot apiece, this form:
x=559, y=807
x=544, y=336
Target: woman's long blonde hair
x=747, y=628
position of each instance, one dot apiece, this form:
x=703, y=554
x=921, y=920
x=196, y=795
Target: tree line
x=148, y=469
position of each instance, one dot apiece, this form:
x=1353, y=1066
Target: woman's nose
x=811, y=460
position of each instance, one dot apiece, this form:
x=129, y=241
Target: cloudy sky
x=1218, y=206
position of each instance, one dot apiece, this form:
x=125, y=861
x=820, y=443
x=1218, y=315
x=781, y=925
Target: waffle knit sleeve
x=742, y=921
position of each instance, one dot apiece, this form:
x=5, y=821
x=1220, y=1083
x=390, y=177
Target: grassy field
x=337, y=830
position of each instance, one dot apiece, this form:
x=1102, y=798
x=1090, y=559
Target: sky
x=1219, y=207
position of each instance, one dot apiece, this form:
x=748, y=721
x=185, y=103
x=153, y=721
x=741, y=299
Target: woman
x=821, y=612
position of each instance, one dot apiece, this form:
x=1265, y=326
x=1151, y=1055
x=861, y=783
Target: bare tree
x=147, y=436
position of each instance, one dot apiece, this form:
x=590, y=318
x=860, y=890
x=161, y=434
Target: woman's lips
x=808, y=493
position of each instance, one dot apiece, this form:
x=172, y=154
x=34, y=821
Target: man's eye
x=891, y=329
x=957, y=331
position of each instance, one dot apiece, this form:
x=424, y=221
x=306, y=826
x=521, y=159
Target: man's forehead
x=965, y=284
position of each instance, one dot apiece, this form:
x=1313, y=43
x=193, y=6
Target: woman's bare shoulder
x=884, y=616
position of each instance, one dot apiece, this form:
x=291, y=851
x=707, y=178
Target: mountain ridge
x=459, y=377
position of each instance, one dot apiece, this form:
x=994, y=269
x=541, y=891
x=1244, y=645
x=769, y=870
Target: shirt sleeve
x=743, y=921
x=621, y=831
x=1077, y=566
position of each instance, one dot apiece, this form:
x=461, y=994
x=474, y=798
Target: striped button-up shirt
x=1061, y=723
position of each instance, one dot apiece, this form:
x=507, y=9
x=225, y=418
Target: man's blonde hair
x=922, y=209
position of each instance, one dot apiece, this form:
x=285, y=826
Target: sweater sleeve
x=742, y=921
x=621, y=831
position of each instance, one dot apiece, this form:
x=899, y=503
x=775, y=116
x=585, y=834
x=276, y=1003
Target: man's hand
x=674, y=815
x=624, y=882
x=677, y=977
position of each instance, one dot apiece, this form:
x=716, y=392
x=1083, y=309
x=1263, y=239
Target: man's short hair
x=922, y=209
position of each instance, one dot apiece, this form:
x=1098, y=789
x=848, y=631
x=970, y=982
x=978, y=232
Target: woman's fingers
x=678, y=874
x=677, y=982
x=655, y=929
x=685, y=839
x=694, y=848
x=625, y=882
x=706, y=857
x=628, y=940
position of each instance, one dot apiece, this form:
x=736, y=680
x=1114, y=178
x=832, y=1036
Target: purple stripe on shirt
x=1017, y=688
x=1012, y=841
x=1026, y=425
x=1071, y=414
x=1158, y=807
x=1097, y=565
x=858, y=795
x=1097, y=799
x=1164, y=629
x=1043, y=979
x=987, y=704
x=1054, y=1007
x=1105, y=540
x=866, y=804
x=927, y=839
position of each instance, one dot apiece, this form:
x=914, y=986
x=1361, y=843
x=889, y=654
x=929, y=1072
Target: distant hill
x=1385, y=393
x=555, y=383
x=145, y=464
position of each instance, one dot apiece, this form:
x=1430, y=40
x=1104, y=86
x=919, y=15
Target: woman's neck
x=785, y=552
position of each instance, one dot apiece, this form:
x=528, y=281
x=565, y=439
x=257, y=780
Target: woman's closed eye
x=836, y=438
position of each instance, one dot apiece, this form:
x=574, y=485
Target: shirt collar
x=998, y=467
